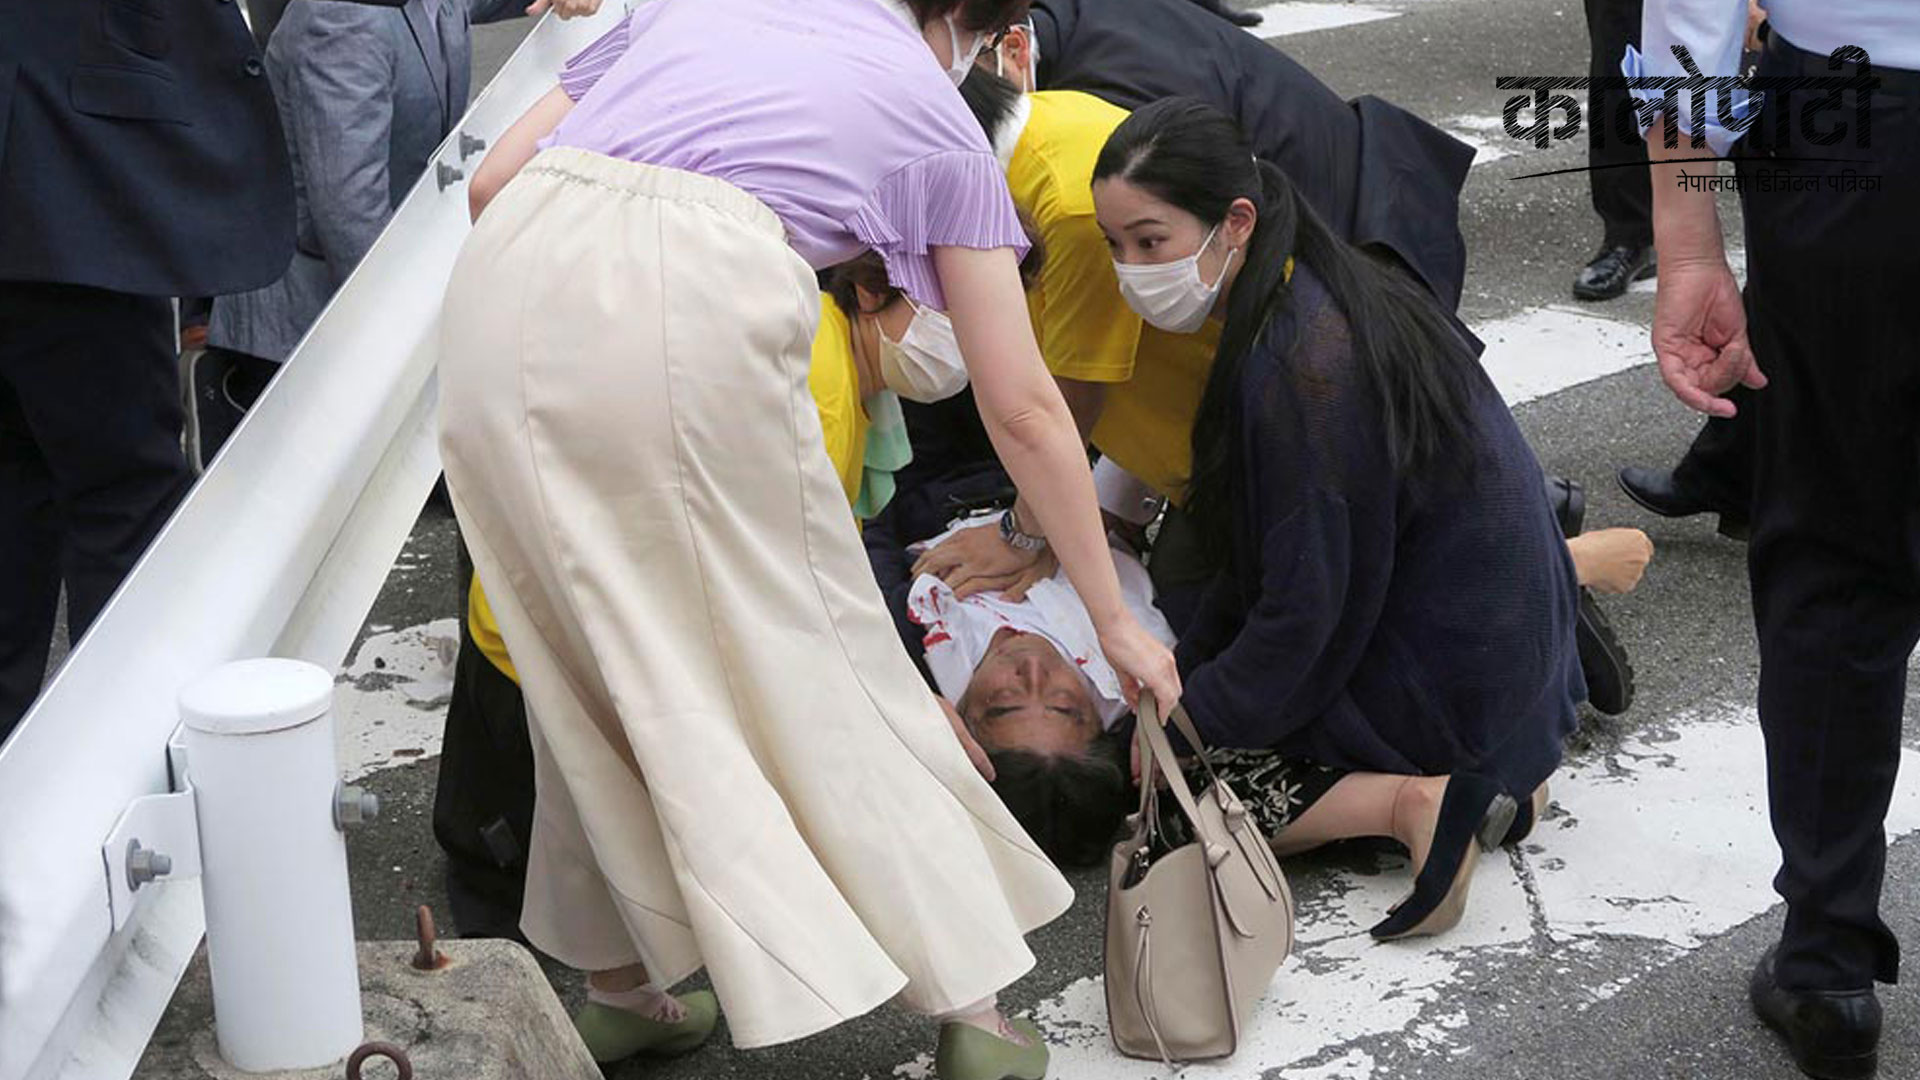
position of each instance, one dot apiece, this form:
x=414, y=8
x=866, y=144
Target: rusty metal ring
x=379, y=1049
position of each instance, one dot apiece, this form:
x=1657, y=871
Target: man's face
x=1026, y=696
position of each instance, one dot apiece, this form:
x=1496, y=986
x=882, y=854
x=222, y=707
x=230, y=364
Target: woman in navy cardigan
x=1394, y=623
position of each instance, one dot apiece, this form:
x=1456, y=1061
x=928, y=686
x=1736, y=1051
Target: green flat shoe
x=968, y=1053
x=615, y=1034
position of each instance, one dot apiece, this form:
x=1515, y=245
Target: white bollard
x=280, y=948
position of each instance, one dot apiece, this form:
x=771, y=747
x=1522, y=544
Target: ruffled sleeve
x=586, y=67
x=955, y=198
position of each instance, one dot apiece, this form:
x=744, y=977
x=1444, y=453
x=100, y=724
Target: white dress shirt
x=958, y=631
x=1714, y=32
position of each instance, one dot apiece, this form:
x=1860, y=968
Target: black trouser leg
x=1718, y=467
x=483, y=800
x=1835, y=555
x=1622, y=193
x=91, y=465
x=29, y=556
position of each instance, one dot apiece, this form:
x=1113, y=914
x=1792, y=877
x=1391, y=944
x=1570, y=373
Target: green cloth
x=888, y=450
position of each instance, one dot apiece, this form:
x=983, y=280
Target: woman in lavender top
x=738, y=767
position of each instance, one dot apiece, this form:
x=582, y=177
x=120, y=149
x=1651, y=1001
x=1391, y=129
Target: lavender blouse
x=832, y=112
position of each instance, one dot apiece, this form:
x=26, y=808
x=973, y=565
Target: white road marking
x=1664, y=841
x=1486, y=134
x=1547, y=349
x=390, y=704
x=1282, y=20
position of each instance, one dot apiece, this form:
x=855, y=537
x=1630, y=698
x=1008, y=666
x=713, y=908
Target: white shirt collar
x=1008, y=138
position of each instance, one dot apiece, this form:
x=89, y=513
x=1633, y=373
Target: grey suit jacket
x=366, y=93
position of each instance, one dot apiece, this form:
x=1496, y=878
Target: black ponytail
x=1191, y=155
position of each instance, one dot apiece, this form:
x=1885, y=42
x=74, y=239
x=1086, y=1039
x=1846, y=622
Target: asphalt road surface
x=1617, y=943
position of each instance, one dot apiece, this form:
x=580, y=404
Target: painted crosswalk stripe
x=1548, y=349
x=1282, y=20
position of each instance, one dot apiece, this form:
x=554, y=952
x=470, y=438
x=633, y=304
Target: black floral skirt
x=1276, y=789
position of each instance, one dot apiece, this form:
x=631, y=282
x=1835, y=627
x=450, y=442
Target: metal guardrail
x=279, y=550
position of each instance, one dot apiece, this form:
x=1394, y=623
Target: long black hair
x=1191, y=155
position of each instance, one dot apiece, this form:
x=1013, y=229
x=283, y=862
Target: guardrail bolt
x=145, y=865
x=353, y=806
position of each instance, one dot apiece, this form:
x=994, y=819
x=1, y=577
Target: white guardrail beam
x=279, y=550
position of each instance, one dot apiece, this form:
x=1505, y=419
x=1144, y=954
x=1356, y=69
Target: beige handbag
x=1195, y=933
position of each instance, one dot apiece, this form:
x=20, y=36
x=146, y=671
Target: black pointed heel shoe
x=1439, y=896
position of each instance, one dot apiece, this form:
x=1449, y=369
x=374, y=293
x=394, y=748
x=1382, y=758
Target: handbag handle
x=1158, y=752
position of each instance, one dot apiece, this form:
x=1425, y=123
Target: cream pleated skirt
x=738, y=766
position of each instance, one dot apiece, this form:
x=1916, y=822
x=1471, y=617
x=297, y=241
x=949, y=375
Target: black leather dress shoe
x=1616, y=267
x=1832, y=1034
x=1659, y=492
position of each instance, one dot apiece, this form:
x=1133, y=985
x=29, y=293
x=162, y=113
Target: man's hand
x=975, y=753
x=566, y=9
x=976, y=560
x=1700, y=335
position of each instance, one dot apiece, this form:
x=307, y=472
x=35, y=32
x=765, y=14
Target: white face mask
x=925, y=364
x=962, y=58
x=1171, y=295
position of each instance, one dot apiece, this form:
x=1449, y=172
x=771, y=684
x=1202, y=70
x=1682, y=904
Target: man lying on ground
x=1042, y=711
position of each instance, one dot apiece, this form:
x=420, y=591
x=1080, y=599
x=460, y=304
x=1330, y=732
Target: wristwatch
x=1010, y=532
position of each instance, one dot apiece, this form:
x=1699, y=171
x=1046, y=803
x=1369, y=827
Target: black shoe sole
x=1603, y=660
x=1854, y=1068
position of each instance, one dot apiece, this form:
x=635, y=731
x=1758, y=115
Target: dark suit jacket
x=1375, y=173
x=367, y=93
x=139, y=148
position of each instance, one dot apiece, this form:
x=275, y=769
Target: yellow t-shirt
x=1085, y=328
x=1147, y=425
x=835, y=384
x=836, y=393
